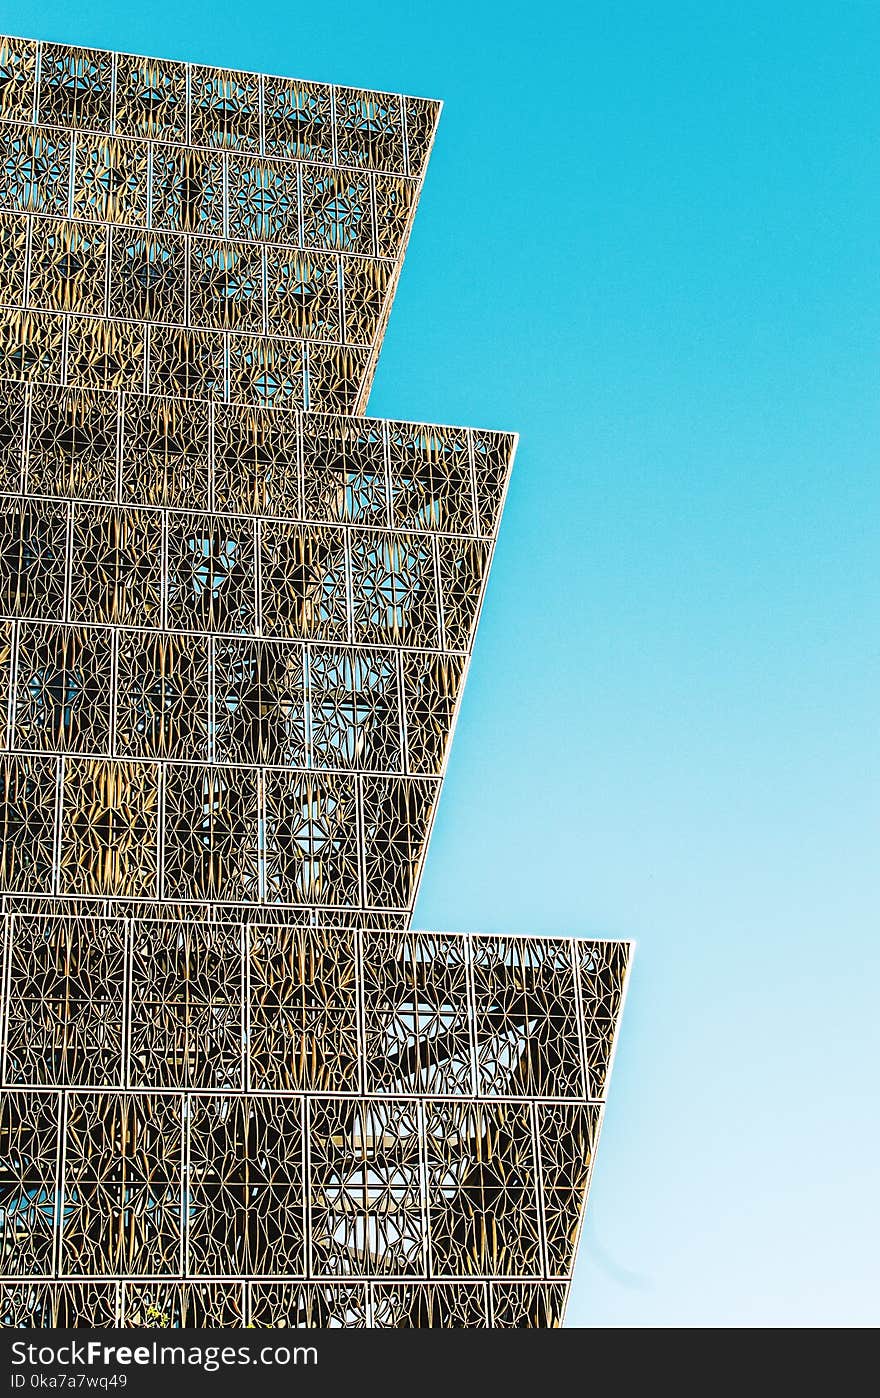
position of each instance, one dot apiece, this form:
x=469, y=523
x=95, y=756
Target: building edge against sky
x=236, y=622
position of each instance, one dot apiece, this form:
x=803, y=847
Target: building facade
x=237, y=615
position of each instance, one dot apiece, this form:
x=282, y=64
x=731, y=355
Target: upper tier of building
x=198, y=231
x=190, y=104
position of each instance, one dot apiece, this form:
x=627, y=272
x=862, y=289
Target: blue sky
x=650, y=243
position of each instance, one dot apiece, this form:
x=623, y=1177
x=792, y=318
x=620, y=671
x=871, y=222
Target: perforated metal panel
x=233, y=637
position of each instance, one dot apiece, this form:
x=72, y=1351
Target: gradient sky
x=650, y=243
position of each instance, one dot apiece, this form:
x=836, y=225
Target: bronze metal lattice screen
x=235, y=621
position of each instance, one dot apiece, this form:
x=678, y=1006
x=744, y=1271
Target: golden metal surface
x=235, y=622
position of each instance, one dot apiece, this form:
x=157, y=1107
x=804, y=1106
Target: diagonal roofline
x=224, y=68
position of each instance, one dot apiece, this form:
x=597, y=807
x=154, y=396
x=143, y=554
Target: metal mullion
x=258, y=576
x=333, y=134
x=148, y=357
x=114, y=683
x=374, y=214
x=300, y=210
x=472, y=1013
x=185, y=1184
x=148, y=221
x=403, y=727
x=358, y=778
x=386, y=468
x=65, y=346
x=260, y=779
x=212, y=449
x=57, y=819
x=9, y=740
x=261, y=107
x=539, y=1187
x=185, y=242
x=405, y=131
x=112, y=234
x=308, y=722
x=128, y=997
x=28, y=245
x=246, y=1005
x=308, y=1259
x=162, y=773
x=9, y=920
x=427, y=1250
x=341, y=297
x=224, y=188
x=187, y=72
x=212, y=699
x=299, y=464
x=346, y=538
x=38, y=77
x=121, y=401
x=114, y=62
x=71, y=174
x=264, y=289
x=472, y=468
x=164, y=567
x=60, y=1171
x=579, y=1014
x=25, y=438
x=360, y=1010
x=441, y=600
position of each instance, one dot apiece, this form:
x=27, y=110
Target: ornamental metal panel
x=236, y=617
x=191, y=230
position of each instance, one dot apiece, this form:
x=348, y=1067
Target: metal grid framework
x=200, y=232
x=237, y=1089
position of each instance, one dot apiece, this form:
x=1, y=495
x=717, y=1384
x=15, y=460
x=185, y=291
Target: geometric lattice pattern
x=235, y=708
x=234, y=631
x=180, y=1132
x=200, y=232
